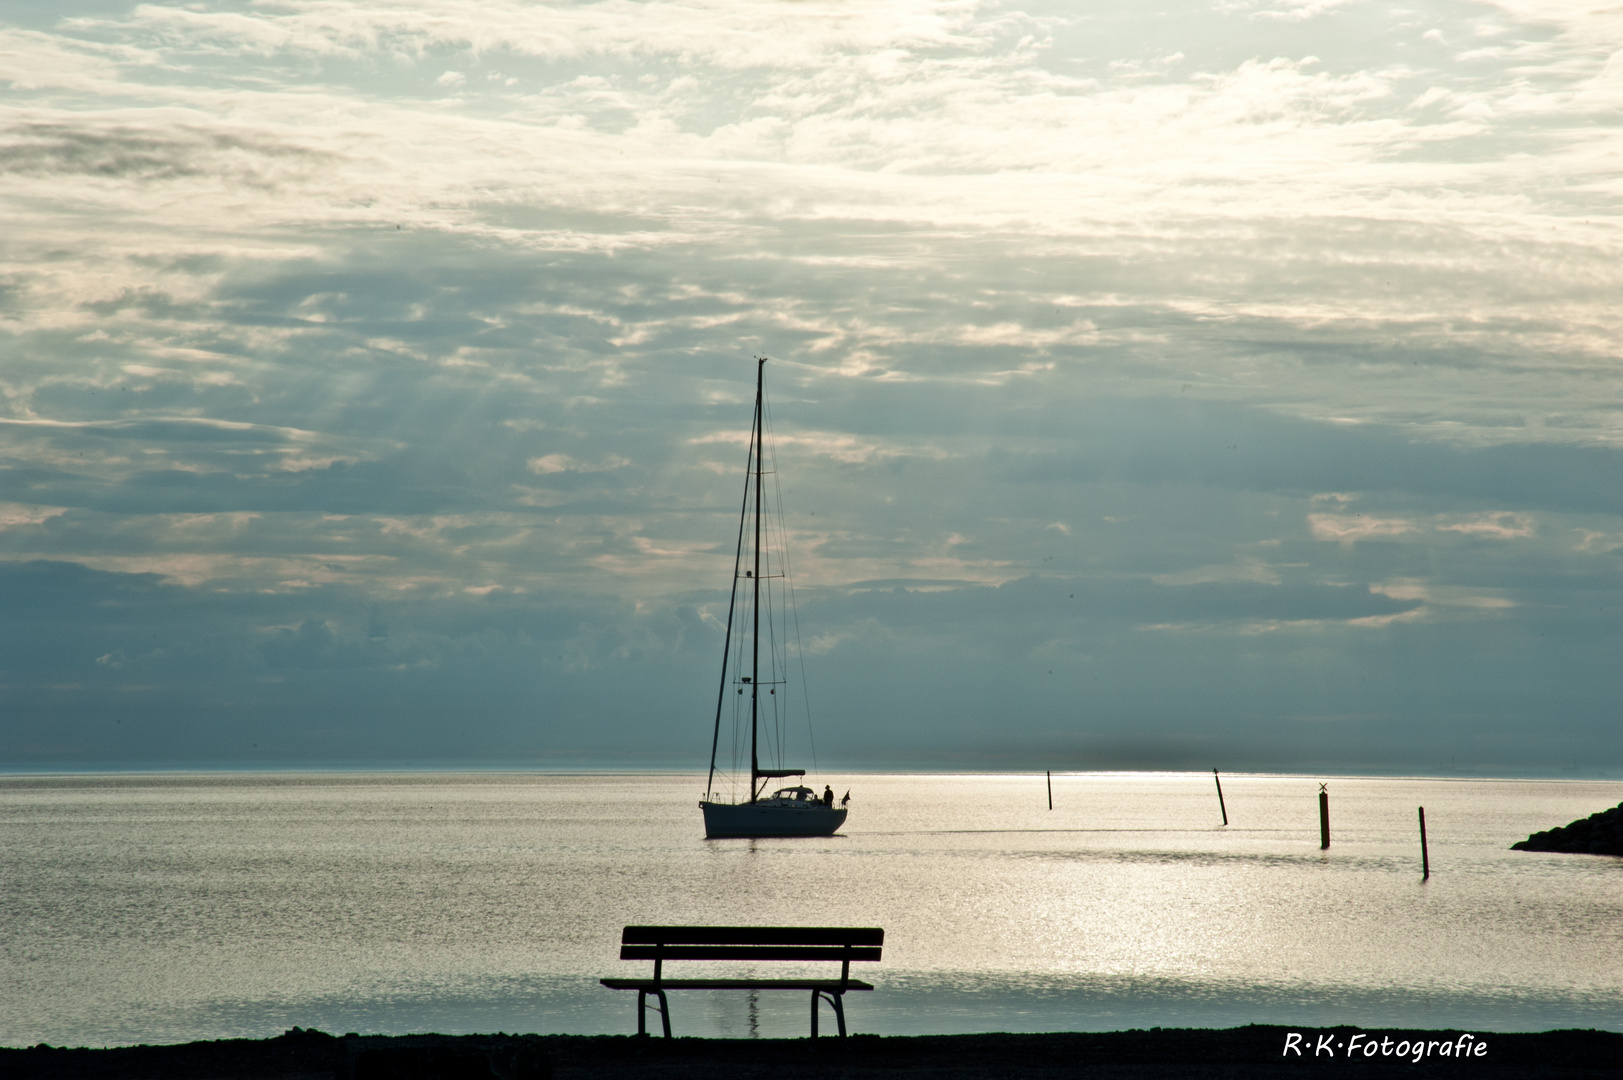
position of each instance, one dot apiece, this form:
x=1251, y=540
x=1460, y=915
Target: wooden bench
x=751, y=944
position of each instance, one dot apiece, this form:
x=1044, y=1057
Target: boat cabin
x=803, y=795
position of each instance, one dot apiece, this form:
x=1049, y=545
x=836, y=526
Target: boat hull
x=764, y=819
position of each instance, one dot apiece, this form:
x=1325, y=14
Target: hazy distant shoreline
x=1251, y=1051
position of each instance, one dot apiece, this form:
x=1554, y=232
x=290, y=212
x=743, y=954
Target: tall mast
x=755, y=644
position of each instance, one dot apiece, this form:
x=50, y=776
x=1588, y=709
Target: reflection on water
x=166, y=908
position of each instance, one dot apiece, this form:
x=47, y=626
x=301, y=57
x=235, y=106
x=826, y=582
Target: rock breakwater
x=1598, y=834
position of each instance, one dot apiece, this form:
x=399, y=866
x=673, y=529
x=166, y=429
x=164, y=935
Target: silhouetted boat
x=789, y=811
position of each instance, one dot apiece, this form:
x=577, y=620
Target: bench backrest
x=661, y=943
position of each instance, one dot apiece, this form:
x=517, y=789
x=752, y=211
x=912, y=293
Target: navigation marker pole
x=1050, y=776
x=1220, y=805
x=1324, y=819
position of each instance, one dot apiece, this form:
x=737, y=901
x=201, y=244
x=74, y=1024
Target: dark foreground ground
x=1238, y=1052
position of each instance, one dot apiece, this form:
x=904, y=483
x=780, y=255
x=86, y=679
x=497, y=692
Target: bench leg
x=835, y=998
x=664, y=1008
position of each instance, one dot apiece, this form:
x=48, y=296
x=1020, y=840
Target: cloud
x=129, y=152
x=562, y=463
x=1346, y=528
x=1503, y=526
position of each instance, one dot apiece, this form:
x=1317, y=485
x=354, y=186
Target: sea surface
x=170, y=907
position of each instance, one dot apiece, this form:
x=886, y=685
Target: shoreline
x=1255, y=1050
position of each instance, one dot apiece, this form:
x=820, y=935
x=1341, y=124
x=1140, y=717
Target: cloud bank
x=1231, y=385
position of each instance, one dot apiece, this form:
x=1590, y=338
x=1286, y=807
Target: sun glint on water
x=188, y=906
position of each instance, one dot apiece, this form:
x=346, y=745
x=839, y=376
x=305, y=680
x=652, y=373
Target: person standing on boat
x=828, y=795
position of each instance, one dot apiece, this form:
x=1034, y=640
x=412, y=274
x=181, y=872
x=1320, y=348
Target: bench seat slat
x=735, y=984
x=747, y=952
x=752, y=935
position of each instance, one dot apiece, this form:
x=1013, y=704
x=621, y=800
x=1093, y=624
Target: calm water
x=175, y=907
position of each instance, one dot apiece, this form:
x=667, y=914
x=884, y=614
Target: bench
x=751, y=944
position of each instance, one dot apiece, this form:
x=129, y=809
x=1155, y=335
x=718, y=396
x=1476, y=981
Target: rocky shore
x=1598, y=834
x=1255, y=1051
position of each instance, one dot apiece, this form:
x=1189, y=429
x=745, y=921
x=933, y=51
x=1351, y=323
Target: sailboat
x=796, y=810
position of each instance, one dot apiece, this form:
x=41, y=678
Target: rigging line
x=738, y=746
x=776, y=535
x=774, y=651
x=727, y=639
x=772, y=732
x=793, y=607
x=759, y=433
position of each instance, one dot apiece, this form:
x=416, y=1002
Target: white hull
x=770, y=817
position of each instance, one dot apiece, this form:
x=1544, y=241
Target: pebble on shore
x=1598, y=834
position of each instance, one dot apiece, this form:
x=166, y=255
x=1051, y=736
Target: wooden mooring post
x=1049, y=773
x=1425, y=859
x=1324, y=819
x=1221, y=808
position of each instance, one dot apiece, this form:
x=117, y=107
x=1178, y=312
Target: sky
x=1155, y=386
